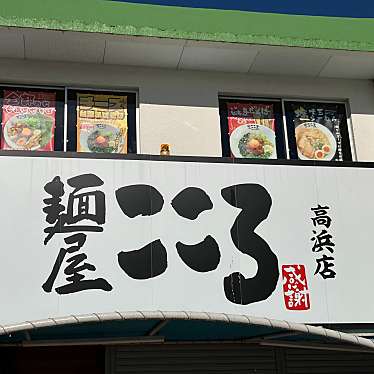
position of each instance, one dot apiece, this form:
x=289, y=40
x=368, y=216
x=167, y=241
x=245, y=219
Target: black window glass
x=101, y=121
x=252, y=129
x=32, y=119
x=317, y=131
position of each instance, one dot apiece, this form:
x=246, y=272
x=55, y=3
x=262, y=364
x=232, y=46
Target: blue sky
x=339, y=8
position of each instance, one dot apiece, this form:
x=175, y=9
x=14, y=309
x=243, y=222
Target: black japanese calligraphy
x=323, y=241
x=191, y=202
x=139, y=200
x=147, y=201
x=202, y=257
x=321, y=216
x=54, y=208
x=324, y=266
x=151, y=260
x=255, y=202
x=84, y=206
x=81, y=203
x=72, y=271
x=77, y=208
x=145, y=263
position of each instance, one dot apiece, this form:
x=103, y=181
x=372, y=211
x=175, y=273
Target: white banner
x=85, y=236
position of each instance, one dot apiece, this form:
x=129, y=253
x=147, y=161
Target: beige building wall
x=181, y=107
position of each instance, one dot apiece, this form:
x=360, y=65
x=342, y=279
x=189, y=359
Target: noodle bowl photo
x=102, y=138
x=246, y=142
x=315, y=142
x=28, y=131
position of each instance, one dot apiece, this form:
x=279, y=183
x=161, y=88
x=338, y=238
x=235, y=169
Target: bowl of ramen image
x=315, y=142
x=28, y=131
x=103, y=138
x=253, y=141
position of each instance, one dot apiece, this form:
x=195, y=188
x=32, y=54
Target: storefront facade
x=189, y=185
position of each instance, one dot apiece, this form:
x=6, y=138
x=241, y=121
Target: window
x=32, y=119
x=255, y=129
x=317, y=131
x=252, y=129
x=97, y=121
x=101, y=121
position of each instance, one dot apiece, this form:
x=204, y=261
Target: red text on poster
x=295, y=287
x=28, y=120
x=240, y=114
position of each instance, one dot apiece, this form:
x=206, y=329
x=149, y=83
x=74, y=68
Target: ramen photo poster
x=101, y=123
x=28, y=120
x=317, y=131
x=252, y=130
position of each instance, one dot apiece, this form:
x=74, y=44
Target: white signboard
x=83, y=236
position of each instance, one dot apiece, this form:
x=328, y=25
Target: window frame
x=279, y=129
x=71, y=116
x=61, y=140
x=348, y=145
x=343, y=127
x=59, y=132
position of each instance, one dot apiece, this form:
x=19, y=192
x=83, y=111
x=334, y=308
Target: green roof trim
x=123, y=18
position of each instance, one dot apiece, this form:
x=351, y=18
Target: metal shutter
x=302, y=361
x=197, y=359
x=233, y=359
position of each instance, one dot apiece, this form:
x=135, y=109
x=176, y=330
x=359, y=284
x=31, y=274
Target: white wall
x=181, y=107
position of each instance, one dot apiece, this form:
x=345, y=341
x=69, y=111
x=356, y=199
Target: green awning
x=104, y=16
